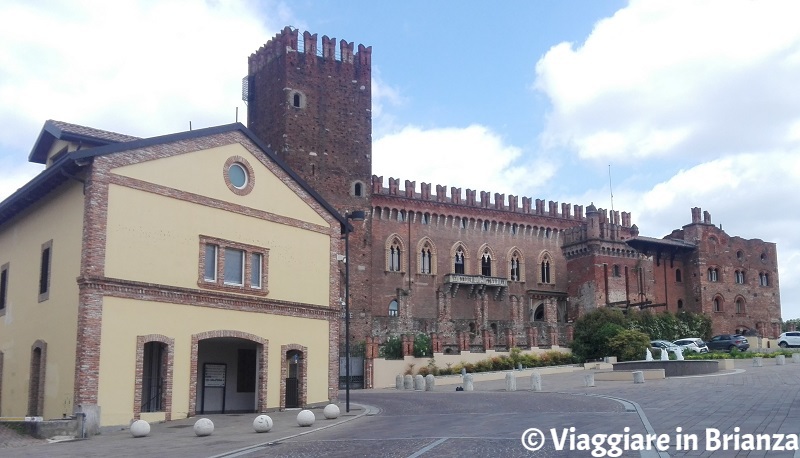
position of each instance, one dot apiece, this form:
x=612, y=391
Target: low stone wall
x=45, y=429
x=385, y=370
x=627, y=376
x=672, y=368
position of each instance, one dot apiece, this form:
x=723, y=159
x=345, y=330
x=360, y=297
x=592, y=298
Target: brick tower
x=314, y=110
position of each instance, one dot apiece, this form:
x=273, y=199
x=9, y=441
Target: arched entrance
x=293, y=373
x=37, y=378
x=229, y=372
x=293, y=364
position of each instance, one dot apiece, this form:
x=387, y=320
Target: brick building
x=157, y=279
x=478, y=270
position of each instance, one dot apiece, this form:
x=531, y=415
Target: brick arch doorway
x=294, y=372
x=228, y=373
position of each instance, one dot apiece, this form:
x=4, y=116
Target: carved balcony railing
x=477, y=284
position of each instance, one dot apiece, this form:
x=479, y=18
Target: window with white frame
x=232, y=266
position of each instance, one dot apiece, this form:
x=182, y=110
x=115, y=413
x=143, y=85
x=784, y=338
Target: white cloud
x=143, y=68
x=684, y=79
x=473, y=157
x=383, y=95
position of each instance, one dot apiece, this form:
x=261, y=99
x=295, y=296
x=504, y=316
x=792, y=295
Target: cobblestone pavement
x=490, y=421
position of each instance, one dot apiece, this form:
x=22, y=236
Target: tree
x=593, y=330
x=629, y=345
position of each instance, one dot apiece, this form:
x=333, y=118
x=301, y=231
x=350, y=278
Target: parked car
x=663, y=344
x=692, y=344
x=728, y=342
x=789, y=339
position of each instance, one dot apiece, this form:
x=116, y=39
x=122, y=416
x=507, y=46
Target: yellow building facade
x=166, y=277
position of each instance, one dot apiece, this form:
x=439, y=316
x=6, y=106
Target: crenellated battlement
x=287, y=41
x=494, y=201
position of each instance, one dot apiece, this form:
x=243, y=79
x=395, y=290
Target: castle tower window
x=763, y=279
x=546, y=271
x=713, y=274
x=394, y=309
x=615, y=270
x=739, y=277
x=740, y=306
x=426, y=219
x=717, y=304
x=462, y=223
x=514, y=271
x=680, y=304
x=486, y=226
x=296, y=100
x=486, y=264
x=678, y=275
x=357, y=190
x=427, y=258
x=394, y=257
x=401, y=216
x=458, y=266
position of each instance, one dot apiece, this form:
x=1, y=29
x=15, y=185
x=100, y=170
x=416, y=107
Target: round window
x=238, y=175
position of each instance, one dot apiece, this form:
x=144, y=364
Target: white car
x=692, y=344
x=789, y=339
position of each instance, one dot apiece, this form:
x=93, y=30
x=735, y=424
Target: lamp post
x=357, y=215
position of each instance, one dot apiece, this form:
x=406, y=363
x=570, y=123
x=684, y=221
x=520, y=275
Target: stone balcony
x=477, y=284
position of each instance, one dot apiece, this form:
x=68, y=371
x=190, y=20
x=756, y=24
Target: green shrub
x=392, y=349
x=629, y=345
x=422, y=346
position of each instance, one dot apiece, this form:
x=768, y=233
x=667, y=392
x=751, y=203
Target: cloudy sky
x=669, y=104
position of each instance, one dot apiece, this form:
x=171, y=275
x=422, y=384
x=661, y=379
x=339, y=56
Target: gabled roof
x=67, y=166
x=59, y=130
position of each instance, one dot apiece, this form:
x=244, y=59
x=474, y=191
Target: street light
x=357, y=215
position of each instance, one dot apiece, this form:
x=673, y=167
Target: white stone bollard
x=398, y=382
x=408, y=382
x=588, y=379
x=306, y=418
x=780, y=360
x=140, y=428
x=419, y=383
x=468, y=385
x=511, y=382
x=758, y=361
x=262, y=424
x=536, y=381
x=331, y=412
x=203, y=427
x=796, y=357
x=638, y=377
x=430, y=382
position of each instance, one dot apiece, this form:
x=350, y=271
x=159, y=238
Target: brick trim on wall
x=168, y=381
x=262, y=353
x=186, y=296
